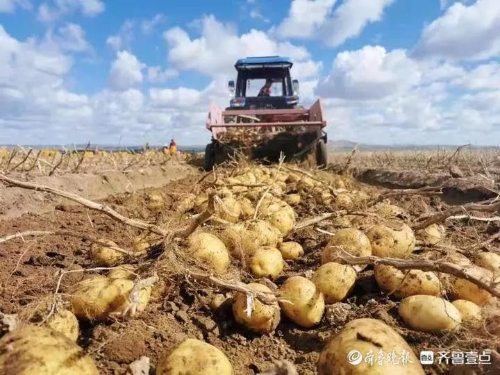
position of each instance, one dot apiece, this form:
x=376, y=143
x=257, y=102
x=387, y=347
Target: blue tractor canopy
x=253, y=73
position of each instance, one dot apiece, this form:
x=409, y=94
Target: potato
x=293, y=178
x=247, y=208
x=264, y=317
x=433, y=234
x=463, y=289
x=155, y=201
x=365, y=336
x=334, y=280
x=266, y=261
x=306, y=303
x=404, y=283
x=245, y=238
x=61, y=319
x=229, y=209
x=291, y=250
x=208, y=248
x=305, y=185
x=392, y=240
x=104, y=255
x=264, y=233
x=292, y=199
x=33, y=350
x=97, y=298
x=200, y=203
x=470, y=312
x=350, y=240
x=195, y=357
x=429, y=313
x=141, y=244
x=344, y=201
x=125, y=271
x=283, y=219
x=489, y=261
x=186, y=204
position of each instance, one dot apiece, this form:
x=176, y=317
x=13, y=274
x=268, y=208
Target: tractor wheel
x=321, y=154
x=209, y=157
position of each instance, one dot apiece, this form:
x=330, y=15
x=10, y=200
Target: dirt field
x=30, y=265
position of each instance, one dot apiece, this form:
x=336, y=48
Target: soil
x=29, y=269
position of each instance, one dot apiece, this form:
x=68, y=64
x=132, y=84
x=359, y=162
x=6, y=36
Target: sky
x=130, y=72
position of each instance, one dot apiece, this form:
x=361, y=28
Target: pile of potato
x=255, y=214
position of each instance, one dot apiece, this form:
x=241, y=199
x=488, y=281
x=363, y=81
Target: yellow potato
x=264, y=318
x=33, y=350
x=141, y=244
x=208, y=248
x=433, y=234
x=155, y=201
x=104, y=255
x=305, y=185
x=344, y=201
x=292, y=199
x=195, y=357
x=489, y=261
x=470, y=312
x=283, y=219
x=97, y=298
x=291, y=250
x=350, y=240
x=293, y=178
x=429, y=313
x=61, y=319
x=125, y=271
x=389, y=211
x=306, y=303
x=229, y=209
x=463, y=289
x=392, y=240
x=364, y=337
x=335, y=281
x=247, y=208
x=404, y=283
x=266, y=261
x=186, y=204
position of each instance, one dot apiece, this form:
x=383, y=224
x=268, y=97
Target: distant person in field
x=173, y=148
x=266, y=89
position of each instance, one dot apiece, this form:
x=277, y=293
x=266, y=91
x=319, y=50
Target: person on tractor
x=266, y=89
x=173, y=148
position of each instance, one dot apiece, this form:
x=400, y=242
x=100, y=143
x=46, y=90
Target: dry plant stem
x=440, y=217
x=87, y=203
x=134, y=294
x=22, y=161
x=313, y=220
x=267, y=298
x=200, y=219
x=40, y=233
x=423, y=265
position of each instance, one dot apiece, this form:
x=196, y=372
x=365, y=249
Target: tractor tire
x=209, y=157
x=321, y=154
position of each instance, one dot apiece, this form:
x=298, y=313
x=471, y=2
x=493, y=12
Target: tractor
x=264, y=119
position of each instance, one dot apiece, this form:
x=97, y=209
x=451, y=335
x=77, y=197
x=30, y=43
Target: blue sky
x=387, y=71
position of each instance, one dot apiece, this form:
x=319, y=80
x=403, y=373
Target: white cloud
x=124, y=37
x=147, y=26
x=126, y=71
x=157, y=75
x=60, y=8
x=204, y=55
x=370, y=73
x=463, y=33
x=9, y=6
x=482, y=77
x=71, y=37
x=309, y=19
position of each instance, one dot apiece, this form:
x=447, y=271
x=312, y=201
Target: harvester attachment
x=264, y=133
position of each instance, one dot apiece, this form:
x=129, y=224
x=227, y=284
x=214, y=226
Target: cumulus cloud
x=126, y=72
x=124, y=37
x=370, y=73
x=204, y=55
x=157, y=75
x=50, y=12
x=310, y=19
x=9, y=6
x=147, y=26
x=464, y=32
x=71, y=37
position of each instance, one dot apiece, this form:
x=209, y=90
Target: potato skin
x=266, y=261
x=195, y=357
x=334, y=280
x=306, y=302
x=33, y=350
x=352, y=240
x=471, y=313
x=429, y=313
x=209, y=248
x=264, y=318
x=364, y=335
x=406, y=283
x=463, y=289
x=392, y=240
x=489, y=261
x=291, y=250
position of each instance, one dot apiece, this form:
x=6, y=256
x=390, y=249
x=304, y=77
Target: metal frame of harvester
x=265, y=127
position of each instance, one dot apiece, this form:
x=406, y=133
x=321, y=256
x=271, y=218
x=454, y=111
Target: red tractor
x=264, y=118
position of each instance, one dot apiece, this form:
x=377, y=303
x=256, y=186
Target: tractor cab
x=253, y=72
